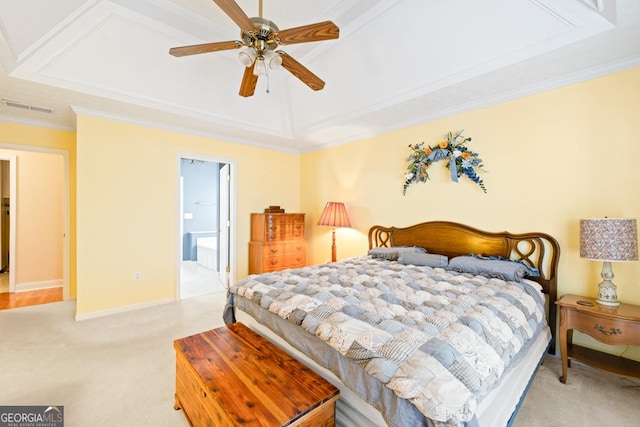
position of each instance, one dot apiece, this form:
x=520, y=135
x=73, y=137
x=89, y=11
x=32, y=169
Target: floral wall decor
x=461, y=160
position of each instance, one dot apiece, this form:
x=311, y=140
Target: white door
x=225, y=226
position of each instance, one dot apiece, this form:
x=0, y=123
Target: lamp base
x=608, y=303
x=607, y=290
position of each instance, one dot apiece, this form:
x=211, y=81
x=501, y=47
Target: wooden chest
x=277, y=242
x=231, y=376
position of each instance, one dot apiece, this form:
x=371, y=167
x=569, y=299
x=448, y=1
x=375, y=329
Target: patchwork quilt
x=441, y=339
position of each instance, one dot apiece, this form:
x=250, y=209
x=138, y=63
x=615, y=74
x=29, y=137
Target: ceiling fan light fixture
x=273, y=59
x=260, y=69
x=247, y=57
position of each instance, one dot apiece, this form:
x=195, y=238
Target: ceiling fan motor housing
x=262, y=38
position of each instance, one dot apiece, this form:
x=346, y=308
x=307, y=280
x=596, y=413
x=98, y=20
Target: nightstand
x=609, y=325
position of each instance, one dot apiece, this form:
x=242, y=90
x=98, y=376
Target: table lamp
x=334, y=215
x=608, y=240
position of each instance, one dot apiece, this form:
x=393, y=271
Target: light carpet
x=120, y=369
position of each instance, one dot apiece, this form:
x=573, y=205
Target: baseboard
x=33, y=286
x=123, y=309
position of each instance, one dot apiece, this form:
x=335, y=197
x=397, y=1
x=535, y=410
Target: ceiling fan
x=261, y=38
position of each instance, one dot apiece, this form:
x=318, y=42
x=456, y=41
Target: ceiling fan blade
x=308, y=33
x=204, y=48
x=249, y=80
x=234, y=12
x=300, y=71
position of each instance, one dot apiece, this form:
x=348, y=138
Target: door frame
x=66, y=212
x=11, y=158
x=231, y=275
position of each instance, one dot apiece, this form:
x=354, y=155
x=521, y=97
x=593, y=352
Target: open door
x=206, y=229
x=225, y=225
x=7, y=216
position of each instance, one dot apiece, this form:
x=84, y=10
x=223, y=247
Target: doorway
x=7, y=226
x=42, y=225
x=205, y=226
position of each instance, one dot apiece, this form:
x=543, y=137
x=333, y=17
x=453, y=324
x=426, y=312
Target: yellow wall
x=23, y=140
x=128, y=206
x=551, y=159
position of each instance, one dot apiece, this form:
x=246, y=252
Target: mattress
x=495, y=410
x=418, y=344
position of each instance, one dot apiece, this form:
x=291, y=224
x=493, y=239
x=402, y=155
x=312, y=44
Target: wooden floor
x=26, y=298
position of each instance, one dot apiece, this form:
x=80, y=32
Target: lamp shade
x=609, y=239
x=334, y=215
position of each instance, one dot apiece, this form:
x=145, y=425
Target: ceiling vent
x=15, y=104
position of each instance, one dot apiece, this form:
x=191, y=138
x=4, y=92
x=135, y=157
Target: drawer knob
x=611, y=331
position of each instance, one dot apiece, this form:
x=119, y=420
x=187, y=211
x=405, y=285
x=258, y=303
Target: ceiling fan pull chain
x=268, y=82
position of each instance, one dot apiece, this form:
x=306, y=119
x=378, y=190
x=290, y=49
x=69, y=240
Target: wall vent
x=24, y=106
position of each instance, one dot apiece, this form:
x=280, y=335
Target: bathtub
x=207, y=252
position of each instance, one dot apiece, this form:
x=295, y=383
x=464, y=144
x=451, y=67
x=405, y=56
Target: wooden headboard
x=538, y=250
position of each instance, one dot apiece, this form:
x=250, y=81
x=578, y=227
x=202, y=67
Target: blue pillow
x=501, y=269
x=531, y=271
x=394, y=252
x=423, y=259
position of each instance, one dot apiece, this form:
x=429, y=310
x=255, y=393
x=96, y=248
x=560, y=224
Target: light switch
x=188, y=215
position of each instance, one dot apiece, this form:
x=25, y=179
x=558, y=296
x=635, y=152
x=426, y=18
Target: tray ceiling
x=397, y=62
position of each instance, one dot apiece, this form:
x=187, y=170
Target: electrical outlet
x=137, y=275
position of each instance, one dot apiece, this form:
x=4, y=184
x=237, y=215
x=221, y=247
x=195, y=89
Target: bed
x=408, y=339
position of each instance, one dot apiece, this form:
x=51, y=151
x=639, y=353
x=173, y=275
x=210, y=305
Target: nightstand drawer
x=605, y=329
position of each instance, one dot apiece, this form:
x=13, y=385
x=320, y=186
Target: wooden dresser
x=277, y=242
x=231, y=376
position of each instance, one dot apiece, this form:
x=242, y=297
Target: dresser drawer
x=274, y=219
x=281, y=262
x=605, y=329
x=276, y=227
x=284, y=231
x=280, y=249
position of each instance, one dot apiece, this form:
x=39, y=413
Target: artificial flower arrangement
x=462, y=161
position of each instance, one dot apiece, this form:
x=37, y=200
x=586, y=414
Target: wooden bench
x=231, y=376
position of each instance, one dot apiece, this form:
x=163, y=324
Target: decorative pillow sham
x=531, y=271
x=394, y=252
x=423, y=259
x=501, y=269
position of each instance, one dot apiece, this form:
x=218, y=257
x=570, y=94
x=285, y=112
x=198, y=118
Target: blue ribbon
x=441, y=153
x=438, y=154
x=452, y=169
